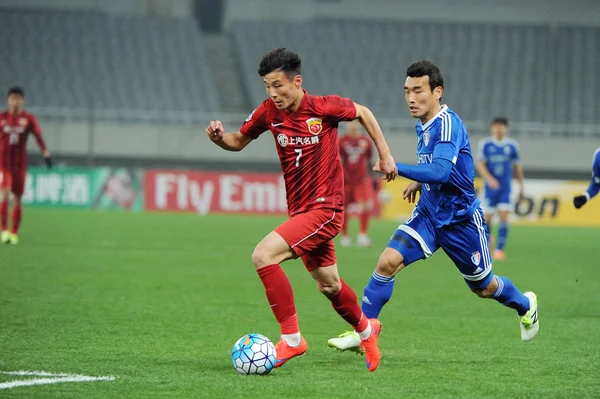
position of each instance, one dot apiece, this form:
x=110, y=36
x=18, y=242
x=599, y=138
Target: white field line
x=50, y=378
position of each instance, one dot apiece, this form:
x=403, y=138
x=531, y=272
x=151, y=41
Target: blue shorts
x=496, y=199
x=466, y=243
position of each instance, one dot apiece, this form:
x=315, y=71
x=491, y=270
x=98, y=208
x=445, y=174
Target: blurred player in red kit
x=356, y=153
x=15, y=126
x=305, y=131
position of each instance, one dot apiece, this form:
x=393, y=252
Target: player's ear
x=438, y=92
x=298, y=81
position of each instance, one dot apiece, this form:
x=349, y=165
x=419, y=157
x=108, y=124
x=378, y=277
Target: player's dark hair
x=16, y=90
x=501, y=120
x=280, y=59
x=426, y=68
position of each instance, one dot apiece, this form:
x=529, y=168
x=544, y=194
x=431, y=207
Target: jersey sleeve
x=256, y=123
x=596, y=167
x=481, y=151
x=448, y=138
x=34, y=127
x=516, y=155
x=338, y=109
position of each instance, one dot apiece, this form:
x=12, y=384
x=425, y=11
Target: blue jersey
x=594, y=187
x=499, y=157
x=445, y=137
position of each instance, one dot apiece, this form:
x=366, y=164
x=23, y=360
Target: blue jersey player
x=594, y=187
x=447, y=215
x=497, y=156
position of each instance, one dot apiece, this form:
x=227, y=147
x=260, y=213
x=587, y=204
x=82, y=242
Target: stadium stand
x=82, y=59
x=498, y=68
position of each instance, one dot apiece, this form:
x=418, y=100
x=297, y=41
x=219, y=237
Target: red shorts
x=14, y=181
x=359, y=192
x=310, y=235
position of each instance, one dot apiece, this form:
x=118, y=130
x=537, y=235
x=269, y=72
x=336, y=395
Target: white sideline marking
x=51, y=378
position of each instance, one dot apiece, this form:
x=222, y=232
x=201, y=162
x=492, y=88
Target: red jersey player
x=15, y=126
x=305, y=131
x=356, y=153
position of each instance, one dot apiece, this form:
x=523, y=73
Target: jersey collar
x=430, y=122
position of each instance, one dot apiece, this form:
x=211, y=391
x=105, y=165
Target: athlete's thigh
x=349, y=190
x=320, y=257
x=307, y=231
x=489, y=200
x=466, y=243
x=18, y=182
x=504, y=204
x=364, y=192
x=414, y=239
x=6, y=180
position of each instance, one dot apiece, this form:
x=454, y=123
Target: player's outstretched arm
x=385, y=162
x=594, y=187
x=591, y=192
x=37, y=132
x=227, y=141
x=486, y=175
x=521, y=179
x=436, y=172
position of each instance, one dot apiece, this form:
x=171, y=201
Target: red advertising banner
x=220, y=192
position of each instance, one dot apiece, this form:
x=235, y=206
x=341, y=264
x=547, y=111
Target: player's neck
x=432, y=113
x=15, y=111
x=296, y=104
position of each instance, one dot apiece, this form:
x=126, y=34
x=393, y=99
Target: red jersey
x=356, y=153
x=306, y=142
x=14, y=131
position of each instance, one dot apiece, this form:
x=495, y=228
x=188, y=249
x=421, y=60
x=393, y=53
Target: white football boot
x=529, y=323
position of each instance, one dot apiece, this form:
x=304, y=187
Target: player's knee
x=16, y=200
x=261, y=257
x=389, y=265
x=329, y=288
x=487, y=291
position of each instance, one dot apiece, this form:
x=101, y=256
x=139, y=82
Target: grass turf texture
x=159, y=299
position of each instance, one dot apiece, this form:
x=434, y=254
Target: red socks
x=16, y=219
x=364, y=221
x=281, y=297
x=346, y=304
x=4, y=215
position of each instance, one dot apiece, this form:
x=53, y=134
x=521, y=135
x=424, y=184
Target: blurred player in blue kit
x=447, y=214
x=497, y=156
x=594, y=187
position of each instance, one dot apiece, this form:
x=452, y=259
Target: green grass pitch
x=158, y=300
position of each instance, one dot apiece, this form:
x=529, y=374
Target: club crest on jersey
x=426, y=138
x=476, y=258
x=506, y=150
x=23, y=121
x=315, y=125
x=282, y=139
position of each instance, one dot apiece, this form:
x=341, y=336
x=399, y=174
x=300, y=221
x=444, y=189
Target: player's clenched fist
x=215, y=131
x=386, y=165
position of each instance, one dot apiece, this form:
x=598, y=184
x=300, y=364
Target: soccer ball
x=253, y=354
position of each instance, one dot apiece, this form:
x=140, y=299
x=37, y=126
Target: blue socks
x=502, y=233
x=377, y=292
x=508, y=295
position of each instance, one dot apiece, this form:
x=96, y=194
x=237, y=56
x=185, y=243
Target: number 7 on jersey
x=299, y=152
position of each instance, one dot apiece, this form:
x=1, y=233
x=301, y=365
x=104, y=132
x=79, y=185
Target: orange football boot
x=285, y=352
x=370, y=346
